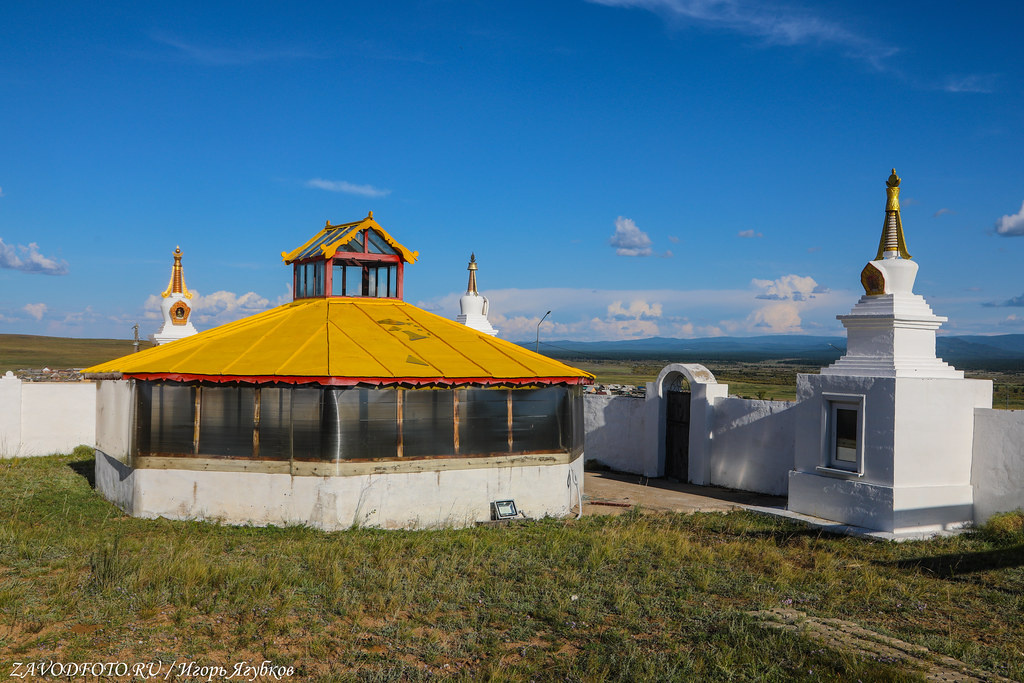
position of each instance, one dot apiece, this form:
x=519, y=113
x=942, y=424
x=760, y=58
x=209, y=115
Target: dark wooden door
x=677, y=435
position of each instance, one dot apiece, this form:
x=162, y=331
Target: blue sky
x=640, y=167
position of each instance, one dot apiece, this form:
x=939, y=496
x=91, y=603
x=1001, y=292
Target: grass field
x=19, y=351
x=629, y=598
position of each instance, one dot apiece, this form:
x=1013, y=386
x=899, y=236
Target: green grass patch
x=633, y=597
x=19, y=351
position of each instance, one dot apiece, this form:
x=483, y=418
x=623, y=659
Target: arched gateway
x=680, y=418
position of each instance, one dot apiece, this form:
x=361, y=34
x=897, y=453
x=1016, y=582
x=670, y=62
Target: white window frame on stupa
x=831, y=462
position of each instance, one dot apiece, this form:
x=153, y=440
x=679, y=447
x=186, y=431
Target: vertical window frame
x=830, y=463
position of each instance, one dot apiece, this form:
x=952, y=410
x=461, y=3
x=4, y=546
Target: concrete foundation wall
x=40, y=418
x=997, y=470
x=752, y=445
x=617, y=433
x=417, y=500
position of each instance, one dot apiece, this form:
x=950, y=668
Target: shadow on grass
x=85, y=469
x=956, y=564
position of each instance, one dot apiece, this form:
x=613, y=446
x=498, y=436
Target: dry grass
x=632, y=597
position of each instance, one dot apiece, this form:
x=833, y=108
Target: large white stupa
x=885, y=440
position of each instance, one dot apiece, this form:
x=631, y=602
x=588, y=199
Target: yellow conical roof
x=345, y=341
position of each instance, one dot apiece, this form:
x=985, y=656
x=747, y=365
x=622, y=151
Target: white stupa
x=174, y=306
x=891, y=330
x=886, y=436
x=474, y=306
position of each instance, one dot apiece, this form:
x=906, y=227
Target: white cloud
x=227, y=56
x=942, y=212
x=788, y=287
x=1, y=192
x=748, y=234
x=974, y=83
x=210, y=310
x=37, y=311
x=29, y=260
x=637, y=309
x=630, y=240
x=776, y=25
x=778, y=317
x=1011, y=225
x=347, y=187
x=592, y=314
x=673, y=239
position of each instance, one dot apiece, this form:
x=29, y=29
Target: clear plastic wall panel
x=483, y=421
x=318, y=278
x=392, y=281
x=353, y=280
x=578, y=431
x=360, y=424
x=383, y=289
x=338, y=280
x=537, y=415
x=371, y=281
x=275, y=423
x=428, y=423
x=166, y=418
x=305, y=422
x=226, y=421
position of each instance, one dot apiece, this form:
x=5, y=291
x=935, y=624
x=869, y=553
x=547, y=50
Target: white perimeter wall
x=752, y=445
x=40, y=418
x=997, y=469
x=619, y=433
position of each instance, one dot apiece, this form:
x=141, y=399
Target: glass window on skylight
x=377, y=245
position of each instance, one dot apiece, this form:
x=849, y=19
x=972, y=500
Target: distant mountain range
x=969, y=350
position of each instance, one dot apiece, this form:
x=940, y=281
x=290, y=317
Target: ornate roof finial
x=472, y=268
x=892, y=244
x=177, y=283
x=370, y=215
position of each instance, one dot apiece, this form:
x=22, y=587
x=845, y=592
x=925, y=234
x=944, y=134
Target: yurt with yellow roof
x=347, y=406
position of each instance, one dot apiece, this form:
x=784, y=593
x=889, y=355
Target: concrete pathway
x=612, y=493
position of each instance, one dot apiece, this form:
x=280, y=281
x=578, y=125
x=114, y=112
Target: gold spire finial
x=472, y=268
x=327, y=223
x=892, y=244
x=177, y=283
x=370, y=216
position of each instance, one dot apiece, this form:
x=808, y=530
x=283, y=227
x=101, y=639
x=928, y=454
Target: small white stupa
x=174, y=306
x=886, y=436
x=474, y=306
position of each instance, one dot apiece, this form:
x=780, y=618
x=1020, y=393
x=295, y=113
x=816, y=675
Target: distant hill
x=994, y=352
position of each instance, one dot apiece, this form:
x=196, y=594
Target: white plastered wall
x=917, y=450
x=752, y=445
x=617, y=433
x=41, y=418
x=997, y=472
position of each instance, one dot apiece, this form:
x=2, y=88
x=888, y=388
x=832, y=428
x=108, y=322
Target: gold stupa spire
x=177, y=283
x=892, y=243
x=472, y=268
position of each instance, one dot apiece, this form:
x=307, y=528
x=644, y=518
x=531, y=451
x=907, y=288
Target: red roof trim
x=354, y=381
